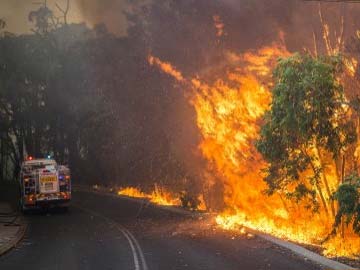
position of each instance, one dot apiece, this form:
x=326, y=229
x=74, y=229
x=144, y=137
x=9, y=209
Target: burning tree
x=307, y=133
x=308, y=156
x=306, y=127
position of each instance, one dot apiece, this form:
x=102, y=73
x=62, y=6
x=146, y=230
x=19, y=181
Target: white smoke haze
x=15, y=13
x=247, y=23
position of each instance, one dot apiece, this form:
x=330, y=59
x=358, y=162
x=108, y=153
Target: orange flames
x=351, y=66
x=229, y=114
x=162, y=197
x=166, y=67
x=132, y=192
x=158, y=196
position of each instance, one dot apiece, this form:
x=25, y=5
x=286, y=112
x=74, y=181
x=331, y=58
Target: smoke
x=15, y=13
x=184, y=34
x=109, y=12
x=198, y=37
x=171, y=25
x=92, y=12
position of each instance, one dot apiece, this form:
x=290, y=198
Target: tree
x=90, y=99
x=2, y=24
x=307, y=123
x=40, y=76
x=348, y=197
x=45, y=20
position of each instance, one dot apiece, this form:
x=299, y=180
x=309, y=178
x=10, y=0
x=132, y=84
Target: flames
x=166, y=67
x=164, y=197
x=229, y=114
x=351, y=66
x=158, y=196
x=132, y=192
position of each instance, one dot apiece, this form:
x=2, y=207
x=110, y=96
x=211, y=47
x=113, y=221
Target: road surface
x=104, y=232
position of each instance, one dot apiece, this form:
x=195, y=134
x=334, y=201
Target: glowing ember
x=219, y=25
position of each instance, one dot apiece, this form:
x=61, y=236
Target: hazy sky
x=15, y=13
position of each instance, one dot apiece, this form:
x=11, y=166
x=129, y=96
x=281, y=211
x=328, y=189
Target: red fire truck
x=44, y=184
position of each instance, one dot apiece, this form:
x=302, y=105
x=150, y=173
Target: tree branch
x=64, y=11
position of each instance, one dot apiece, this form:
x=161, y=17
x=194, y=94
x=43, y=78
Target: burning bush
x=348, y=196
x=189, y=201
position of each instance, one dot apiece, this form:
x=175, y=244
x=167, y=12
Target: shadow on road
x=9, y=193
x=58, y=211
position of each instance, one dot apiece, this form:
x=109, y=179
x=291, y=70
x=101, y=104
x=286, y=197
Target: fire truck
x=44, y=184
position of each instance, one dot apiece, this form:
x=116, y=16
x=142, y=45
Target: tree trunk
x=342, y=181
x=318, y=188
x=322, y=199
x=324, y=179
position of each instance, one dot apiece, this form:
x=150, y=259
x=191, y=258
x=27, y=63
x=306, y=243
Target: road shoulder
x=310, y=255
x=12, y=228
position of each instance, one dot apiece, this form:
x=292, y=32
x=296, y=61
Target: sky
x=15, y=13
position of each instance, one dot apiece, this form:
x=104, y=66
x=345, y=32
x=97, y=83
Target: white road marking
x=134, y=244
x=136, y=260
x=142, y=257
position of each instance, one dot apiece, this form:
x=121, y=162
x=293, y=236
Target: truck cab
x=44, y=184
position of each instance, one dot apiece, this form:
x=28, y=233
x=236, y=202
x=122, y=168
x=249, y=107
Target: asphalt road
x=103, y=232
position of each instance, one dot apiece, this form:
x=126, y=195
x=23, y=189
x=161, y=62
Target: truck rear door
x=48, y=180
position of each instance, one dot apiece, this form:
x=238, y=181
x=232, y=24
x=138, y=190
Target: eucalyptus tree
x=306, y=127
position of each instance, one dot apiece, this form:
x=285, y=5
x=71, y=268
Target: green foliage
x=302, y=191
x=348, y=197
x=306, y=115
